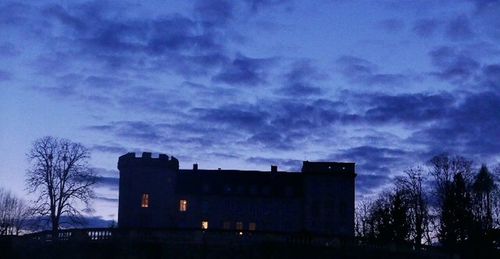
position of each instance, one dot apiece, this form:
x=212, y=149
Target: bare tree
x=362, y=219
x=60, y=175
x=412, y=187
x=13, y=213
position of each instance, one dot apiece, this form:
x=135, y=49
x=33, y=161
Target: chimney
x=195, y=167
x=274, y=168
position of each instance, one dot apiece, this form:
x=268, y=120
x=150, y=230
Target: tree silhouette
x=60, y=175
x=483, y=188
x=13, y=213
x=387, y=219
x=411, y=185
x=453, y=176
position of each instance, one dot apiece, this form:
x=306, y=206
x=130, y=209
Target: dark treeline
x=446, y=203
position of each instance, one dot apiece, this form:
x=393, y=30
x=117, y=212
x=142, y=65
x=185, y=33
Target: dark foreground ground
x=109, y=243
x=15, y=247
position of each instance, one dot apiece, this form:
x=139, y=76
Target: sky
x=245, y=84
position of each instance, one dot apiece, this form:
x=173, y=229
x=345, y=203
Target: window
x=239, y=225
x=251, y=226
x=226, y=225
x=183, y=205
x=145, y=200
x=204, y=224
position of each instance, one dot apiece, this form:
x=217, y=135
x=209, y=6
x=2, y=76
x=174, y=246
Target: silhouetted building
x=155, y=193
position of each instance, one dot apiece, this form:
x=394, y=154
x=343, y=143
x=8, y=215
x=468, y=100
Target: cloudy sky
x=245, y=84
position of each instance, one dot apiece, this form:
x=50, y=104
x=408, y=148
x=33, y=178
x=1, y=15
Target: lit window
x=251, y=226
x=204, y=224
x=183, y=205
x=226, y=225
x=239, y=225
x=145, y=200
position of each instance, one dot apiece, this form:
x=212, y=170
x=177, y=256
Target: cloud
x=491, y=77
x=288, y=164
x=244, y=71
x=408, y=108
x=248, y=117
x=470, y=128
x=214, y=12
x=454, y=65
x=300, y=80
x=257, y=5
x=107, y=199
x=105, y=181
x=370, y=183
x=426, y=28
x=459, y=28
x=361, y=71
x=109, y=149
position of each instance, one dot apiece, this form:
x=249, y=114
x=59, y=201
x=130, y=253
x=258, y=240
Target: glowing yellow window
x=183, y=205
x=252, y=226
x=145, y=200
x=204, y=224
x=239, y=225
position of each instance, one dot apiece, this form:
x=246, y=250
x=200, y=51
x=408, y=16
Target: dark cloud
x=375, y=165
x=370, y=183
x=408, y=108
x=454, y=65
x=392, y=25
x=257, y=5
x=108, y=181
x=361, y=71
x=491, y=77
x=214, y=12
x=288, y=164
x=247, y=117
x=301, y=80
x=244, y=71
x=459, y=28
x=271, y=139
x=134, y=130
x=107, y=199
x=471, y=128
x=103, y=35
x=426, y=27
x=109, y=149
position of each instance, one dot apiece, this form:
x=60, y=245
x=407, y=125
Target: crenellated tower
x=146, y=190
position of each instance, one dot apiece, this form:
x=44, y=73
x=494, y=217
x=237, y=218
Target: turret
x=146, y=190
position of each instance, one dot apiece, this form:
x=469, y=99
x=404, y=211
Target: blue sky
x=245, y=84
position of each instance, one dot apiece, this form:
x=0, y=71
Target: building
x=155, y=193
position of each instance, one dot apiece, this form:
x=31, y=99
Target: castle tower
x=147, y=190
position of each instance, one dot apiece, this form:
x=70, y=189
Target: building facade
x=155, y=193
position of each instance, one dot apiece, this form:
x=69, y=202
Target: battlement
x=328, y=168
x=130, y=160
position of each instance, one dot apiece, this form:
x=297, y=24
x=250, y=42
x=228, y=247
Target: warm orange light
x=204, y=224
x=239, y=226
x=145, y=200
x=252, y=226
x=183, y=205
